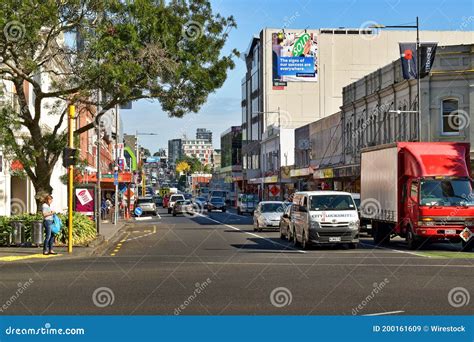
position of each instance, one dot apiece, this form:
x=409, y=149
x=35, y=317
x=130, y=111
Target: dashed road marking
x=385, y=313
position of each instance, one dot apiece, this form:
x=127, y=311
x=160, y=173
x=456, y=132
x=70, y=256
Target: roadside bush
x=83, y=231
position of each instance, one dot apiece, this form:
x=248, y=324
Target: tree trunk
x=42, y=187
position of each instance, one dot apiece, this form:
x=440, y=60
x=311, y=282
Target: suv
x=147, y=205
x=172, y=201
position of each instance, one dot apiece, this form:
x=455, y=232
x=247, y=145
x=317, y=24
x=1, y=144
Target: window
x=414, y=190
x=451, y=120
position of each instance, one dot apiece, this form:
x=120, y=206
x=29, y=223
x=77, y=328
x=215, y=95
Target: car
x=147, y=205
x=172, y=201
x=325, y=217
x=158, y=201
x=246, y=203
x=200, y=201
x=187, y=196
x=183, y=206
x=286, y=231
x=267, y=215
x=216, y=203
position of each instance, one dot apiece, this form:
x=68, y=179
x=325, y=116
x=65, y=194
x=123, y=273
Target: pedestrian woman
x=48, y=222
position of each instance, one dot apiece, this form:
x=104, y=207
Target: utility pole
x=72, y=111
x=418, y=83
x=116, y=168
x=98, y=173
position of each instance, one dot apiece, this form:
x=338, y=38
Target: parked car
x=246, y=203
x=267, y=215
x=147, y=205
x=325, y=217
x=183, y=206
x=172, y=201
x=158, y=201
x=285, y=224
x=216, y=203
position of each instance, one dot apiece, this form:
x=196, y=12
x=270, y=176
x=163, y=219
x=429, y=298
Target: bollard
x=37, y=230
x=18, y=232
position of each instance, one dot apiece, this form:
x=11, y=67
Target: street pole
x=99, y=175
x=116, y=169
x=418, y=83
x=72, y=111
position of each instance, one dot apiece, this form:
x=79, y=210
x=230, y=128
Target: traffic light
x=69, y=156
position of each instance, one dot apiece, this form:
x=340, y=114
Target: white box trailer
x=379, y=183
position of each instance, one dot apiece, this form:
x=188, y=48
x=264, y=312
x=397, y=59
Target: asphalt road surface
x=215, y=264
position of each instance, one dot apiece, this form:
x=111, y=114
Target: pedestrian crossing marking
x=31, y=256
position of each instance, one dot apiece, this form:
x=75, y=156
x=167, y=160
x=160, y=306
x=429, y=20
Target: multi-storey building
x=204, y=134
x=200, y=148
x=382, y=108
x=175, y=151
x=334, y=59
x=231, y=159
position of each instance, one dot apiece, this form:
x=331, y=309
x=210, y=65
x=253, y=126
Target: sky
x=222, y=109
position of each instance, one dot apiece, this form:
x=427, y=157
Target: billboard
x=84, y=201
x=294, y=57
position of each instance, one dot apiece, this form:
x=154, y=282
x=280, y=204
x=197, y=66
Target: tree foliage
x=170, y=51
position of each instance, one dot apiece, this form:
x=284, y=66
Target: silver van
x=325, y=217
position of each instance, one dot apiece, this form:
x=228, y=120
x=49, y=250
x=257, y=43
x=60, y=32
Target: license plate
x=450, y=231
x=334, y=239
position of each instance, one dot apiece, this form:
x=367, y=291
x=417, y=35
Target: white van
x=325, y=217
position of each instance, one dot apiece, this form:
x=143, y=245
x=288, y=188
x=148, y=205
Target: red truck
x=420, y=191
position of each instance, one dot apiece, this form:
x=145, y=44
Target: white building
x=200, y=148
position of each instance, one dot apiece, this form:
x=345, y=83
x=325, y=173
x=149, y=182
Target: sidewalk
x=108, y=231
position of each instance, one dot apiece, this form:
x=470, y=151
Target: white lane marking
x=310, y=264
x=253, y=234
x=395, y=250
x=385, y=313
x=144, y=218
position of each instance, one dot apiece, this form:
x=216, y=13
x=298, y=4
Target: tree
x=125, y=50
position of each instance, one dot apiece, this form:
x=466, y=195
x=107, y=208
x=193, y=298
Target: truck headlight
x=354, y=224
x=314, y=225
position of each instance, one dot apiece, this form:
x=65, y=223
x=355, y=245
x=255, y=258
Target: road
x=214, y=264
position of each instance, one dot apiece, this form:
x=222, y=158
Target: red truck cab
x=421, y=191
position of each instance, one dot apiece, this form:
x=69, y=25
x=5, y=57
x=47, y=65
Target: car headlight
x=354, y=224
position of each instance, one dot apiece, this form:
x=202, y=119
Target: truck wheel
x=169, y=211
x=468, y=246
x=412, y=242
x=381, y=234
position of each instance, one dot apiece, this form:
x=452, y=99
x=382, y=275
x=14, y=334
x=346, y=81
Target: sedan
x=216, y=203
x=267, y=215
x=285, y=224
x=183, y=207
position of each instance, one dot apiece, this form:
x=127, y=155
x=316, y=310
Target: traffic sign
x=138, y=211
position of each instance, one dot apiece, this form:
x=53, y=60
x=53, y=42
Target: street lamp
x=418, y=58
x=138, y=157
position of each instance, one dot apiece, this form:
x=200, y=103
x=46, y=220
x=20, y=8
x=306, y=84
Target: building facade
x=199, y=148
x=341, y=56
x=231, y=160
x=381, y=108
x=175, y=152
x=204, y=134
